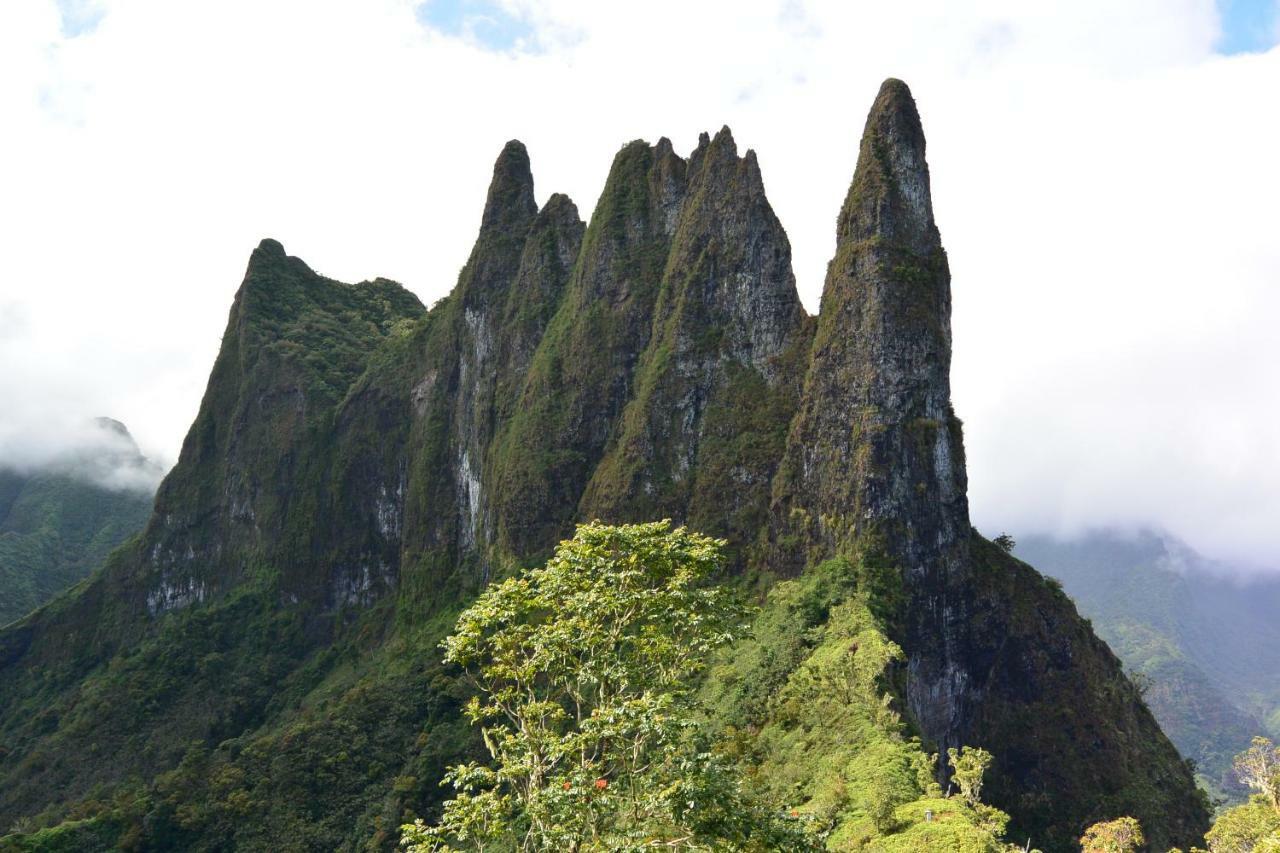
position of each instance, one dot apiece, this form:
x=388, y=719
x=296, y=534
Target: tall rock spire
x=581, y=377
x=510, y=203
x=876, y=447
x=889, y=198
x=875, y=458
x=725, y=359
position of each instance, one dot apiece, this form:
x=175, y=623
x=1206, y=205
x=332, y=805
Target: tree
x=583, y=670
x=1122, y=835
x=968, y=765
x=1259, y=768
x=1005, y=542
x=1255, y=826
x=1251, y=828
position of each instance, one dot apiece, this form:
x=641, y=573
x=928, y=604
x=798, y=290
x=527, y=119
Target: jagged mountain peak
x=270, y=265
x=359, y=462
x=271, y=247
x=559, y=205
x=510, y=203
x=889, y=198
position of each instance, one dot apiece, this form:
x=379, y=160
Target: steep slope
x=716, y=385
x=874, y=470
x=130, y=669
x=58, y=522
x=582, y=373
x=1206, y=636
x=259, y=669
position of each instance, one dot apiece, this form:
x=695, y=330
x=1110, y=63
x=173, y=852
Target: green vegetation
x=1122, y=835
x=809, y=709
x=1259, y=768
x=1250, y=828
x=55, y=528
x=1255, y=826
x=1207, y=645
x=582, y=670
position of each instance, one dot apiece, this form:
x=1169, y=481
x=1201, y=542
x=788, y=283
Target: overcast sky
x=1105, y=177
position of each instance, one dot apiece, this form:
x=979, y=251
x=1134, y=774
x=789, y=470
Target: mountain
x=260, y=669
x=1205, y=634
x=59, y=521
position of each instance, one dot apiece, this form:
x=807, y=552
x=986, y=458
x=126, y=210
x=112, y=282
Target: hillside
x=59, y=521
x=259, y=670
x=1205, y=634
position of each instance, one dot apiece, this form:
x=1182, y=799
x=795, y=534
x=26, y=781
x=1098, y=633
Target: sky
x=1105, y=178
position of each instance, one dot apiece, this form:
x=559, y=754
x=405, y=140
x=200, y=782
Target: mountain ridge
x=361, y=466
x=1202, y=636
x=60, y=518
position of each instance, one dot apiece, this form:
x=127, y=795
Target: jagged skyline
x=1087, y=204
x=358, y=461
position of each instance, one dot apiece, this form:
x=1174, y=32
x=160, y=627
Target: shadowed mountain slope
x=1204, y=633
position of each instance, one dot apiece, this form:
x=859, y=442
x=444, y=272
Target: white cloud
x=1105, y=185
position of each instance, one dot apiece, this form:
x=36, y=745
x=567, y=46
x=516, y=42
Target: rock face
x=360, y=467
x=875, y=457
x=727, y=333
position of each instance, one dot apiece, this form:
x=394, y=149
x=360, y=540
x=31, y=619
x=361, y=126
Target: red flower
x=567, y=786
x=795, y=813
x=601, y=784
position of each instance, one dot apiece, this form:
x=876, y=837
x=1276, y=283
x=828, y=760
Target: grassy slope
x=808, y=706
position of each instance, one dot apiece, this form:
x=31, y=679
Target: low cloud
x=99, y=451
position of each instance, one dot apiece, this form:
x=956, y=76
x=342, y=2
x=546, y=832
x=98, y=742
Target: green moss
x=809, y=708
x=1052, y=801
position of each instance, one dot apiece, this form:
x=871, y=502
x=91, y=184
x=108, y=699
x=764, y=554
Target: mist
x=99, y=451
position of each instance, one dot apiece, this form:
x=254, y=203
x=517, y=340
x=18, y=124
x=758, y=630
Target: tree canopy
x=582, y=670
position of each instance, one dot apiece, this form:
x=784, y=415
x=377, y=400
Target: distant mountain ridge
x=59, y=521
x=1208, y=636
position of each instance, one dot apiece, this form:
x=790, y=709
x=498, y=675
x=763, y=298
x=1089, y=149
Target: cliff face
x=875, y=459
x=360, y=466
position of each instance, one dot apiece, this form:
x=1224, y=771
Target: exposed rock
x=582, y=375
x=359, y=462
x=875, y=458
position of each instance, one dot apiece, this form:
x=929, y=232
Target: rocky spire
x=509, y=211
x=889, y=198
x=510, y=203
x=876, y=444
x=875, y=458
x=581, y=377
x=726, y=323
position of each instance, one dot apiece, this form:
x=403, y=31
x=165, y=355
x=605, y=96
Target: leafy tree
x=968, y=765
x=1005, y=542
x=1259, y=768
x=1255, y=826
x=1251, y=828
x=583, y=671
x=1122, y=835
